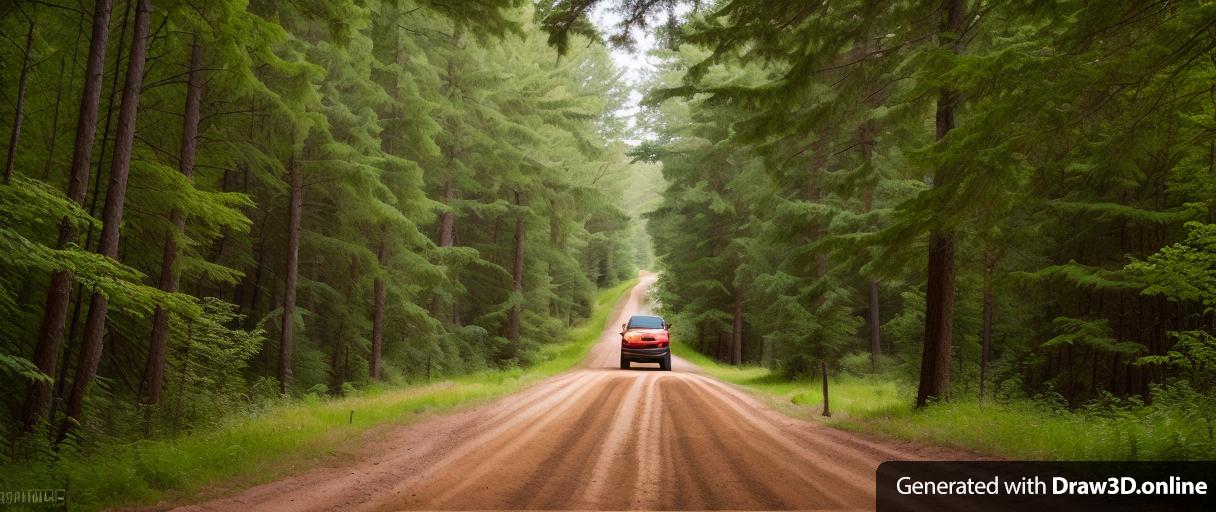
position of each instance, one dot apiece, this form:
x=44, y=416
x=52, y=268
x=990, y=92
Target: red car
x=646, y=339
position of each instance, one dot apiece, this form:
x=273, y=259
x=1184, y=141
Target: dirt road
x=601, y=438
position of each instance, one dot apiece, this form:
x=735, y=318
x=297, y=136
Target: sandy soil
x=601, y=438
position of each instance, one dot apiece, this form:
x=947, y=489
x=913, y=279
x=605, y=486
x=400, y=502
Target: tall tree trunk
x=337, y=360
x=939, y=317
x=1072, y=377
x=74, y=323
x=447, y=238
x=736, y=343
x=986, y=326
x=255, y=288
x=873, y=321
x=120, y=166
x=939, y=291
x=447, y=219
x=154, y=372
x=73, y=341
x=19, y=110
x=287, y=333
x=866, y=141
x=554, y=240
x=340, y=357
x=517, y=270
x=378, y=310
x=50, y=332
x=59, y=82
x=823, y=367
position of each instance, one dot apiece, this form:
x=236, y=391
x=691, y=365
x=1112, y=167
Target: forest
x=205, y=204
x=209, y=208
x=988, y=200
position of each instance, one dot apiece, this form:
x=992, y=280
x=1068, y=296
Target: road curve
x=600, y=438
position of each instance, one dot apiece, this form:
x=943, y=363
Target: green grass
x=246, y=451
x=1021, y=429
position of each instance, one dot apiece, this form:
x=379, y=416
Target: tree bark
x=939, y=291
x=378, y=293
x=517, y=270
x=554, y=241
x=873, y=321
x=73, y=341
x=447, y=219
x=736, y=344
x=1072, y=377
x=866, y=142
x=939, y=317
x=59, y=82
x=19, y=109
x=447, y=238
x=255, y=288
x=74, y=324
x=823, y=367
x=986, y=325
x=120, y=166
x=154, y=372
x=50, y=332
x=340, y=356
x=287, y=333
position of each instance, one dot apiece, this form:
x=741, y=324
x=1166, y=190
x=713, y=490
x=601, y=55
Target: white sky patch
x=634, y=66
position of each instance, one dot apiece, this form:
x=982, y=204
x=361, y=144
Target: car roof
x=659, y=318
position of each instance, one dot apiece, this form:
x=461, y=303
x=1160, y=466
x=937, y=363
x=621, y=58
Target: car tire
x=665, y=365
x=624, y=363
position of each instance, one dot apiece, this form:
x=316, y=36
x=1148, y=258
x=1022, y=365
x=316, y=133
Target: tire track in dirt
x=601, y=438
x=787, y=477
x=473, y=461
x=836, y=468
x=647, y=445
x=616, y=441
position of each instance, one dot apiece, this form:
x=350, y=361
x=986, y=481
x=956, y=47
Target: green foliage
x=1096, y=334
x=1177, y=426
x=394, y=114
x=13, y=365
x=33, y=212
x=266, y=436
x=1183, y=271
x=1194, y=356
x=211, y=357
x=804, y=157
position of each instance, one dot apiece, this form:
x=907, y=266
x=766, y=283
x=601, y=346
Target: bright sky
x=634, y=65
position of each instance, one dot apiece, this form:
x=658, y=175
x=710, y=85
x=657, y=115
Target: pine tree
x=155, y=369
x=46, y=355
x=120, y=168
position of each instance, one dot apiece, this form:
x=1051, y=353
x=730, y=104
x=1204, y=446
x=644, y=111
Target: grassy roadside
x=247, y=451
x=1018, y=429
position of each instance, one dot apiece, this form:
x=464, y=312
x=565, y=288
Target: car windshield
x=645, y=322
